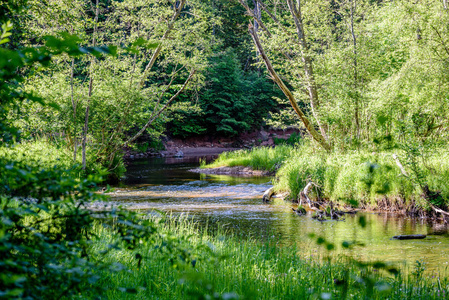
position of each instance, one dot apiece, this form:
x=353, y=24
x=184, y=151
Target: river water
x=235, y=204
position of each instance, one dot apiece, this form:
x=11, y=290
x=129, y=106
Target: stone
x=263, y=135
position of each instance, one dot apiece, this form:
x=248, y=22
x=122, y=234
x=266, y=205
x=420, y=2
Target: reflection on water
x=234, y=203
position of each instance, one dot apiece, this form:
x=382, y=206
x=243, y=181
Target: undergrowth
x=42, y=153
x=263, y=158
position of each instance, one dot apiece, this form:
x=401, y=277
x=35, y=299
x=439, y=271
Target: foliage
x=186, y=120
x=46, y=216
x=232, y=102
x=293, y=139
x=49, y=155
x=263, y=158
x=379, y=66
x=109, y=101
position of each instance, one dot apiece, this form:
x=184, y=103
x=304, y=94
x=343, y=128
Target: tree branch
x=164, y=37
x=154, y=116
x=316, y=135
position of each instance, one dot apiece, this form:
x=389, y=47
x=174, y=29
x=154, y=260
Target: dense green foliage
x=46, y=216
x=231, y=103
x=106, y=103
x=379, y=67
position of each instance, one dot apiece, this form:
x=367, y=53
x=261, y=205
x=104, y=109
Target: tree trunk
x=354, y=43
x=257, y=16
x=316, y=135
x=308, y=67
x=86, y=118
x=75, y=140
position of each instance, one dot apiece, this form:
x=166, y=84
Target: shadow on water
x=234, y=203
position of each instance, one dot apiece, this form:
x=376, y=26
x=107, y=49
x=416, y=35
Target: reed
x=229, y=267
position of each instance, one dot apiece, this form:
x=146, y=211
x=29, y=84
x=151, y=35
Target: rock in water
x=410, y=237
x=179, y=154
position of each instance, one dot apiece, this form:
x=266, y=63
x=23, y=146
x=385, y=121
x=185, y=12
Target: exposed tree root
x=268, y=194
x=323, y=210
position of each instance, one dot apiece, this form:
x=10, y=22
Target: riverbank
x=197, y=264
x=377, y=180
x=209, y=145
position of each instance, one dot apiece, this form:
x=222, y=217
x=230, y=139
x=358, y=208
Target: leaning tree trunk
x=354, y=50
x=315, y=134
x=166, y=35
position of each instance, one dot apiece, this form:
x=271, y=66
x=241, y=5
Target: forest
x=363, y=84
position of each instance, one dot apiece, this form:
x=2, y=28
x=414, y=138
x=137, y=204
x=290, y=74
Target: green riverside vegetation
x=354, y=177
x=231, y=267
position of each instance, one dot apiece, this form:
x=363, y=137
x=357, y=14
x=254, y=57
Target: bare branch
x=317, y=136
x=156, y=52
x=155, y=116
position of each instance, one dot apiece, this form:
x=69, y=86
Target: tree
x=308, y=75
x=132, y=90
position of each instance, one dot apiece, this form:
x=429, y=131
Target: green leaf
x=5, y=40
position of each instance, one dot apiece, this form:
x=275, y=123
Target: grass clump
x=229, y=267
x=263, y=158
x=362, y=176
x=351, y=176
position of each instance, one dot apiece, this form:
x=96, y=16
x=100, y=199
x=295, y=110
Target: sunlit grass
x=350, y=176
x=46, y=154
x=264, y=158
x=232, y=267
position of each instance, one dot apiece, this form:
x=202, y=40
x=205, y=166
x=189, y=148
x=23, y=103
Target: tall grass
x=227, y=267
x=347, y=176
x=263, y=158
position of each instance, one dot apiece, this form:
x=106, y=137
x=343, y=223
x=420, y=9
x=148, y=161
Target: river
x=234, y=204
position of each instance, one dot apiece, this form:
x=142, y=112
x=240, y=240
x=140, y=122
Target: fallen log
x=410, y=237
